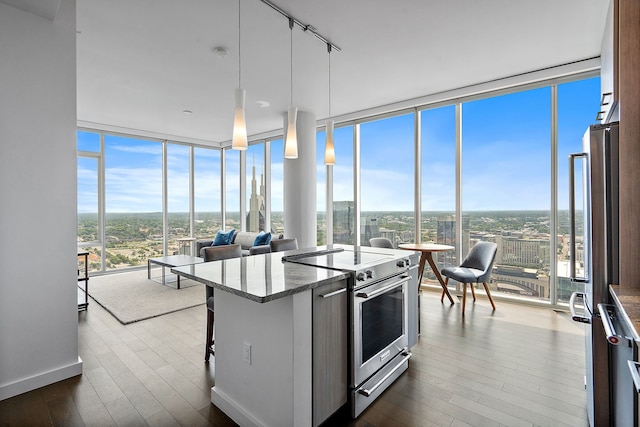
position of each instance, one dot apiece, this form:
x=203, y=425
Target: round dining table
x=426, y=255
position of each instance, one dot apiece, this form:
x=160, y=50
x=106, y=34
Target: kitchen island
x=280, y=349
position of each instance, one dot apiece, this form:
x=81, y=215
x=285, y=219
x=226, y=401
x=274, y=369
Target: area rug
x=131, y=297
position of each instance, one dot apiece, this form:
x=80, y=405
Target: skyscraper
x=343, y=220
x=368, y=230
x=255, y=217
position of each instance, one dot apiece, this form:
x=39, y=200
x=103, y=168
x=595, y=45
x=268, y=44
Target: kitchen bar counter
x=272, y=337
x=260, y=278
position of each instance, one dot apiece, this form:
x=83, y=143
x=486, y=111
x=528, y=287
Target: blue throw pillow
x=223, y=237
x=262, y=239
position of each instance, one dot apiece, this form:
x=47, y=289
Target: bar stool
x=215, y=253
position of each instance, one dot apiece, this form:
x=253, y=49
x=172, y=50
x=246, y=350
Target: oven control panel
x=365, y=275
x=383, y=270
x=402, y=263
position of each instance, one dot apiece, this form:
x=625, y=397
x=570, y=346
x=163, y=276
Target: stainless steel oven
x=379, y=325
x=379, y=310
x=378, y=337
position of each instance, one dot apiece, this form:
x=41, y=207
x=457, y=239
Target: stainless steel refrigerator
x=594, y=229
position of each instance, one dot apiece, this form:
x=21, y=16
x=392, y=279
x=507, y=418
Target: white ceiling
x=44, y=8
x=142, y=62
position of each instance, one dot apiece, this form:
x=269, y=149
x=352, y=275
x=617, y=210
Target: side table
x=83, y=276
x=171, y=261
x=426, y=255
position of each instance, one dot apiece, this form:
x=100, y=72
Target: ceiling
x=44, y=8
x=141, y=63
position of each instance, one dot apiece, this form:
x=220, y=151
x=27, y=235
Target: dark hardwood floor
x=517, y=366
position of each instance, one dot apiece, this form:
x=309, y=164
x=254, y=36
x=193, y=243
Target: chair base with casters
x=476, y=268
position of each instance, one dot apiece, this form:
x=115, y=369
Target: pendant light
x=291, y=141
x=239, y=138
x=329, y=150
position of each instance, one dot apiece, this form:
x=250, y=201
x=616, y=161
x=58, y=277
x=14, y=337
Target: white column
x=300, y=217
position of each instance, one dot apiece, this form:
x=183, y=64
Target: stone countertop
x=629, y=301
x=260, y=278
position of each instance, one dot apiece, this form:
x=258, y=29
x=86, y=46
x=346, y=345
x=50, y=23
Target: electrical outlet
x=246, y=353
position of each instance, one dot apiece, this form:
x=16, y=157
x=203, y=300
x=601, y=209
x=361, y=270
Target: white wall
x=38, y=303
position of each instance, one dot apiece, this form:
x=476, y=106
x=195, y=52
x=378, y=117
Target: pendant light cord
x=329, y=52
x=239, y=53
x=291, y=56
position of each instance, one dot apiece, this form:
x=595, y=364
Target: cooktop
x=341, y=259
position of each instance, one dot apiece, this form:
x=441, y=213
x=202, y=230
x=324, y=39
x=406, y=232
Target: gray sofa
x=245, y=239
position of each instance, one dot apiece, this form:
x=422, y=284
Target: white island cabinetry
x=280, y=347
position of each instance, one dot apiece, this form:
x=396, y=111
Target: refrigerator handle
x=572, y=307
x=572, y=218
x=633, y=367
x=606, y=312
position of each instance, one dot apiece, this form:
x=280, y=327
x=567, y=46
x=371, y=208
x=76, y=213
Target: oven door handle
x=369, y=391
x=383, y=289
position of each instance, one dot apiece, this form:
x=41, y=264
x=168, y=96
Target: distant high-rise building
x=343, y=222
x=446, y=230
x=446, y=235
x=256, y=215
x=530, y=253
x=369, y=229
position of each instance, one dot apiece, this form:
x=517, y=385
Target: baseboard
x=31, y=383
x=233, y=411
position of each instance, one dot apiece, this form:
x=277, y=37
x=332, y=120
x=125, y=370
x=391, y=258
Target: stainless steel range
x=379, y=287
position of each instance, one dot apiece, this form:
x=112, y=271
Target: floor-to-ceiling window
x=207, y=192
x=506, y=177
x=123, y=200
x=438, y=184
x=277, y=186
x=88, y=192
x=232, y=189
x=133, y=197
x=178, y=201
x=505, y=192
x=386, y=179
x=344, y=214
x=577, y=102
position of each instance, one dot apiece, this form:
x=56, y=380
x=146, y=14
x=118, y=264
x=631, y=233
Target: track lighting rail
x=305, y=27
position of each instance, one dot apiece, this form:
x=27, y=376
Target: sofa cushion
x=223, y=237
x=245, y=239
x=262, y=239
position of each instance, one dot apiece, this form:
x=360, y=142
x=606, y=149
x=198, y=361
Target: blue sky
x=505, y=158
